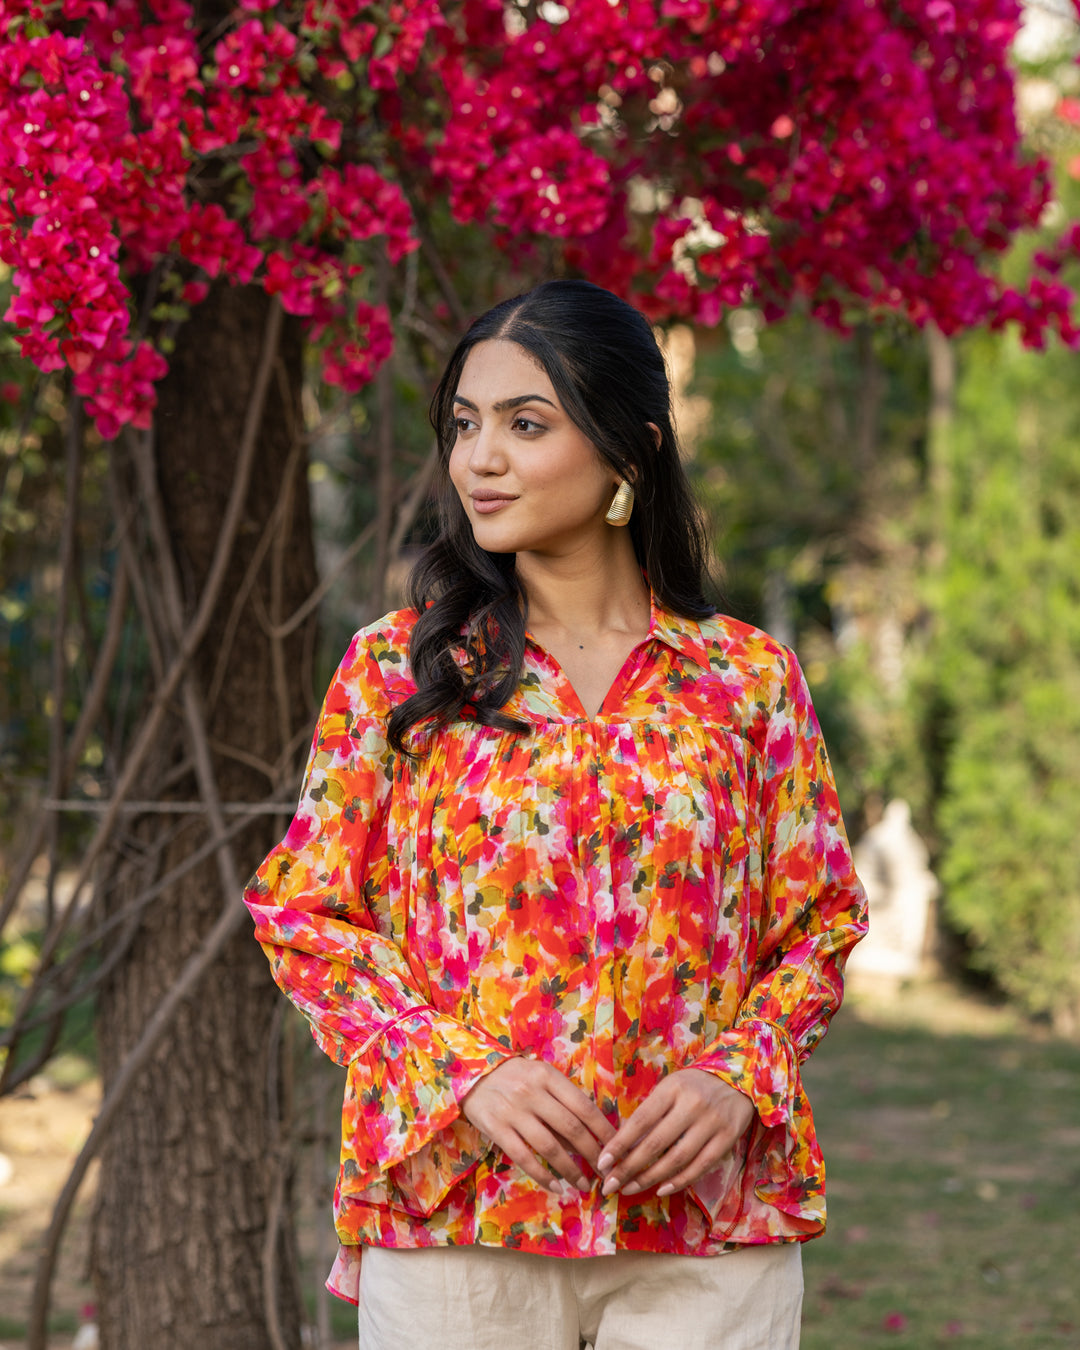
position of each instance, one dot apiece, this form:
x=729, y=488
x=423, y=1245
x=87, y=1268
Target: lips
x=487, y=502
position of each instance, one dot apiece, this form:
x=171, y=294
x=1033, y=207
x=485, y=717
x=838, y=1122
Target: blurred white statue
x=893, y=864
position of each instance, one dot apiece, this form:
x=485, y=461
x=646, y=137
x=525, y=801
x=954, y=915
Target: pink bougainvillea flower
x=646, y=140
x=1068, y=109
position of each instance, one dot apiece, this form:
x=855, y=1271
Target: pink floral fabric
x=666, y=885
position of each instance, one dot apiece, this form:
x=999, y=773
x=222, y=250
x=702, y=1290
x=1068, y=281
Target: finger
x=522, y=1155
x=542, y=1091
x=527, y=1140
x=687, y=1160
x=526, y=1084
x=631, y=1132
x=712, y=1133
x=544, y=1108
x=571, y=1129
x=666, y=1135
x=598, y=1129
x=706, y=1161
x=547, y=1145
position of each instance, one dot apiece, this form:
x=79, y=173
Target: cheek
x=455, y=468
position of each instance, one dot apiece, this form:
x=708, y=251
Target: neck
x=592, y=590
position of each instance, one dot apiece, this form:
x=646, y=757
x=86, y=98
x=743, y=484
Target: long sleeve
x=319, y=904
x=810, y=912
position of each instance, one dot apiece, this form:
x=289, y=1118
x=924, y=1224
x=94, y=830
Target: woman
x=568, y=891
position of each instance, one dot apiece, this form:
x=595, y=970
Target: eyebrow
x=506, y=404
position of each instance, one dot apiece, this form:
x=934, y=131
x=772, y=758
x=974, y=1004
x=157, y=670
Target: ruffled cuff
x=757, y=1058
x=401, y=1121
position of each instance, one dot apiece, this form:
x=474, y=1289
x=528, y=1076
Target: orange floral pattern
x=667, y=885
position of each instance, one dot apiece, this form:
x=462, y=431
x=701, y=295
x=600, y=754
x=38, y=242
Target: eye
x=462, y=424
x=527, y=425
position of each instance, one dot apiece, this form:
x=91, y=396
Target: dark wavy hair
x=602, y=358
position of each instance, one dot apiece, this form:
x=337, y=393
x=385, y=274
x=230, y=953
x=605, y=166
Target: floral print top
x=666, y=885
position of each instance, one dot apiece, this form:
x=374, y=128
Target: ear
x=656, y=433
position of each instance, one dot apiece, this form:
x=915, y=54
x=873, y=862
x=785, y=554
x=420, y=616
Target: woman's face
x=529, y=480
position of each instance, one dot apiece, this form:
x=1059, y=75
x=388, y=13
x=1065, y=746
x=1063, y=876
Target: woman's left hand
x=682, y=1130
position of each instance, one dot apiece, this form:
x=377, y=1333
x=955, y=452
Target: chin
x=495, y=536
x=496, y=541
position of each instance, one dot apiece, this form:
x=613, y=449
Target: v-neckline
x=568, y=694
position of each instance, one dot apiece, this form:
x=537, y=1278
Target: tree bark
x=191, y=1166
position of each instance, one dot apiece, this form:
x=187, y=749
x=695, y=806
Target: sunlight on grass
x=954, y=1184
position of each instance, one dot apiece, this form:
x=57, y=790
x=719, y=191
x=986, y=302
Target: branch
x=128, y=512
x=194, y=969
x=94, y=699
x=148, y=732
x=273, y=535
x=56, y=980
x=412, y=504
x=299, y=615
x=233, y=911
x=384, y=461
x=148, y=808
x=437, y=339
x=92, y=704
x=273, y=531
x=278, y=559
x=278, y=1160
x=73, y=471
x=193, y=715
x=434, y=261
x=127, y=918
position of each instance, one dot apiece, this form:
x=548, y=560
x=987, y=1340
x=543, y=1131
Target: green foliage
x=813, y=466
x=1008, y=662
x=809, y=430
x=75, y=1054
x=34, y=418
x=933, y=595
x=31, y=497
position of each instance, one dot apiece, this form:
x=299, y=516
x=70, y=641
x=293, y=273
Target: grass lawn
x=953, y=1155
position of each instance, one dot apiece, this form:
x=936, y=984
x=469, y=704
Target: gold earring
x=622, y=504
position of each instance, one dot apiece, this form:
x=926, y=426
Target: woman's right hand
x=536, y=1115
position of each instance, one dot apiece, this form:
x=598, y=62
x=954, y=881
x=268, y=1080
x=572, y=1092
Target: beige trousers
x=491, y=1298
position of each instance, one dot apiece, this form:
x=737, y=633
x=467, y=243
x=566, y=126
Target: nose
x=486, y=452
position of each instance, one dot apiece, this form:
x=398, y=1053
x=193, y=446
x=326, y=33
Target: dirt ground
x=42, y=1129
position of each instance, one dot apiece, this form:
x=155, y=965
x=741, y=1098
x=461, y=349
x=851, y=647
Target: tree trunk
x=193, y=1168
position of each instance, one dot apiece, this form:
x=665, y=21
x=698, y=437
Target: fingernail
x=610, y=1186
x=583, y=1184
x=666, y=1189
x=631, y=1188
x=605, y=1163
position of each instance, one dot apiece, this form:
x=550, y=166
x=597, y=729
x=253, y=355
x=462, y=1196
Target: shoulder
x=734, y=646
x=751, y=684
x=384, y=639
x=374, y=672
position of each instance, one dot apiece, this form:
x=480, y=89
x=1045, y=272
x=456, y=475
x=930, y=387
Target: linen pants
x=492, y=1298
